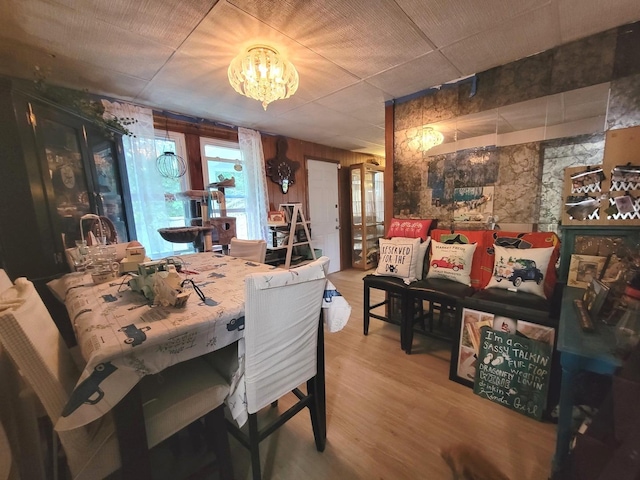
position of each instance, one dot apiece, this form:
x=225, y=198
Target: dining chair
x=9, y=469
x=172, y=399
x=283, y=350
x=252, y=250
x=19, y=414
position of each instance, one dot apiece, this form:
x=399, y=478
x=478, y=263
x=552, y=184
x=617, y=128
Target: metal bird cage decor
x=169, y=164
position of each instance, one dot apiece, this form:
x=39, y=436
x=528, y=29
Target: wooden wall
x=297, y=150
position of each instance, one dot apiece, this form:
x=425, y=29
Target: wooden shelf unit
x=621, y=147
x=295, y=222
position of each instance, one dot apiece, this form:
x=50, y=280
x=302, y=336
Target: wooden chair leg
x=254, y=446
x=367, y=297
x=318, y=414
x=217, y=427
x=316, y=388
x=409, y=321
x=406, y=322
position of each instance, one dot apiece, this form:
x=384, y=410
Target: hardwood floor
x=389, y=413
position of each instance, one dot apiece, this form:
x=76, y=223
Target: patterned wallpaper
x=527, y=177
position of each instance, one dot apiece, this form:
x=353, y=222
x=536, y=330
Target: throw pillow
x=451, y=261
x=409, y=228
x=422, y=252
x=398, y=258
x=520, y=269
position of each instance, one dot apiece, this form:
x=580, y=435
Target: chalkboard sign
x=513, y=371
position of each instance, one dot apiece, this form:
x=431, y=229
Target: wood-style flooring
x=389, y=413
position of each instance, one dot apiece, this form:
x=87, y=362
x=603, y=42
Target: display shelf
x=593, y=195
x=367, y=202
x=297, y=234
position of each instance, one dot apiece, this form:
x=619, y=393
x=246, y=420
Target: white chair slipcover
x=252, y=250
x=281, y=326
x=280, y=351
x=22, y=457
x=28, y=333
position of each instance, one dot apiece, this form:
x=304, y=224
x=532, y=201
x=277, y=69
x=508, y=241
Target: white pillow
x=451, y=261
x=520, y=270
x=418, y=260
x=422, y=252
x=398, y=258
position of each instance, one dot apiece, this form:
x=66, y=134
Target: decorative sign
x=280, y=169
x=513, y=371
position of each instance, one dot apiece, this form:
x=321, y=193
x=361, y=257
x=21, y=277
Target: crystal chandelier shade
x=430, y=138
x=261, y=73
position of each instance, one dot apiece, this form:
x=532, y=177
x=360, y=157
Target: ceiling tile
x=20, y=61
x=221, y=37
x=362, y=101
x=351, y=56
x=418, y=74
x=519, y=37
x=581, y=18
x=363, y=36
x=166, y=22
x=446, y=22
x=59, y=30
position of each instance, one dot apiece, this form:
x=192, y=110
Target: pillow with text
x=398, y=258
x=451, y=261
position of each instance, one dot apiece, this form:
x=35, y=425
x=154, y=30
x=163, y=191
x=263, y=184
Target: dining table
x=123, y=336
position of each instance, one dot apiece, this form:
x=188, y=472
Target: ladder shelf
x=295, y=222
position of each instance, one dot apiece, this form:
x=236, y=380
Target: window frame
x=204, y=141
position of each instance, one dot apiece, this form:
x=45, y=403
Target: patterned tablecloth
x=123, y=337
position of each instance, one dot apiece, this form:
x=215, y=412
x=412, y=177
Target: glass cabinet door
x=367, y=214
x=82, y=175
x=66, y=170
x=108, y=186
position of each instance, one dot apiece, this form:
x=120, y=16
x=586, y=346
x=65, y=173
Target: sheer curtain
x=145, y=182
x=257, y=204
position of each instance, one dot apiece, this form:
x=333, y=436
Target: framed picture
x=476, y=315
x=583, y=269
x=594, y=298
x=614, y=268
x=464, y=356
x=276, y=217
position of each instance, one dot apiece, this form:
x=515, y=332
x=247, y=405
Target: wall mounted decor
x=280, y=169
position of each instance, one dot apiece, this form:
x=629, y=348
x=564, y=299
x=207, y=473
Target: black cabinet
x=55, y=166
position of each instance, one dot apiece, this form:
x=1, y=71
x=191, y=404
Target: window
x=153, y=197
x=223, y=159
x=176, y=209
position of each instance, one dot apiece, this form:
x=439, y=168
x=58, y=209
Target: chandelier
x=430, y=138
x=261, y=73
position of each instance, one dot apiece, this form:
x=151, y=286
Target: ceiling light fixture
x=430, y=138
x=261, y=73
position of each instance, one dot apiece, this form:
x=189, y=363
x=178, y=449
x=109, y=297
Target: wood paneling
x=297, y=150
